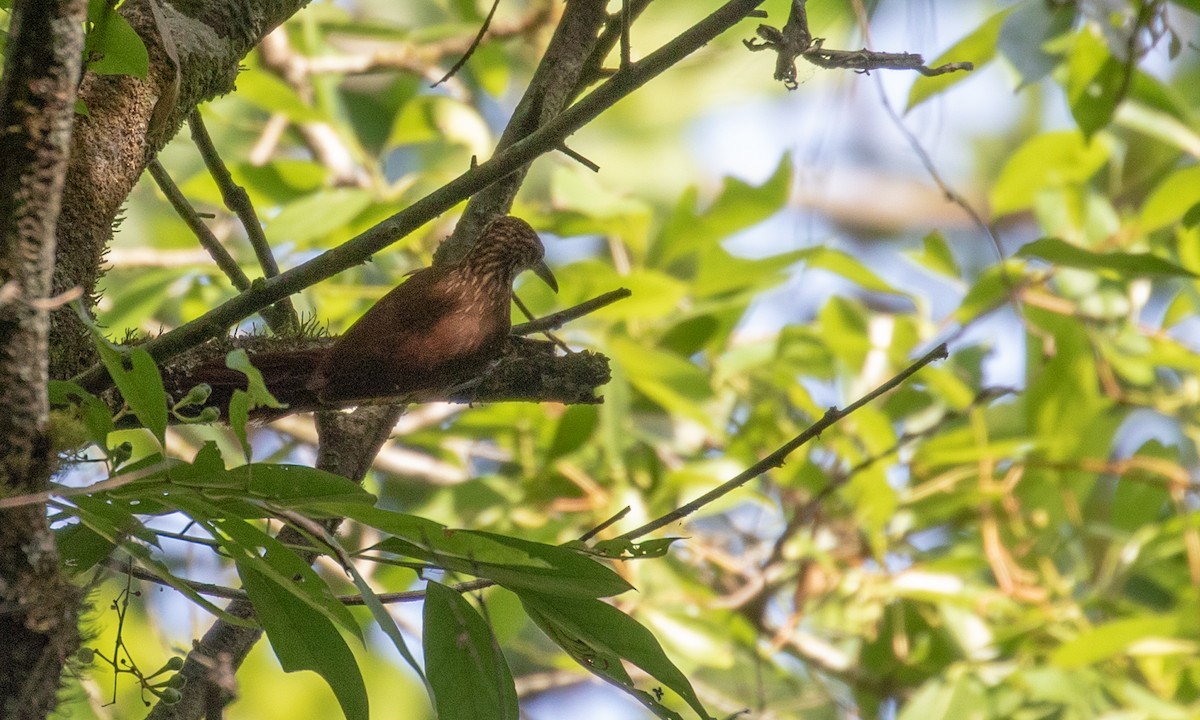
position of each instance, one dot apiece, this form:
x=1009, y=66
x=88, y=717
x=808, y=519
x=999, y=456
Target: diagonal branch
x=372, y=241
x=777, y=458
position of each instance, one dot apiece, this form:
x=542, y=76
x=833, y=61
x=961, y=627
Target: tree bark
x=38, y=605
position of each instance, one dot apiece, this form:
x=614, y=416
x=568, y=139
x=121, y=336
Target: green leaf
x=318, y=214
x=264, y=90
x=468, y=673
x=599, y=636
x=1026, y=33
x=384, y=619
x=80, y=547
x=979, y=47
x=574, y=429
x=304, y=639
x=738, y=206
x=936, y=255
x=670, y=381
x=296, y=484
x=847, y=266
x=255, y=395
x=1171, y=199
x=1052, y=160
x=630, y=550
x=512, y=562
x=136, y=376
x=254, y=549
x=1094, y=82
x=1126, y=264
x=112, y=47
x=90, y=409
x=1112, y=638
x=955, y=695
x=92, y=514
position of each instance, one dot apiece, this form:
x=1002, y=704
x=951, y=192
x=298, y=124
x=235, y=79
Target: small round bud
x=197, y=395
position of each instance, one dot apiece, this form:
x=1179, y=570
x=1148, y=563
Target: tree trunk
x=38, y=604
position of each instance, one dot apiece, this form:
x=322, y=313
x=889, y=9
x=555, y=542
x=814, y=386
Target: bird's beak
x=542, y=270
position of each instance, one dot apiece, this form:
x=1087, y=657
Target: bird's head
x=508, y=246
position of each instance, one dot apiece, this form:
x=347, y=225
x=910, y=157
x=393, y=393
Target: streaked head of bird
x=507, y=247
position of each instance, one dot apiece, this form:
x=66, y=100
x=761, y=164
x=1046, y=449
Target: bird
x=442, y=327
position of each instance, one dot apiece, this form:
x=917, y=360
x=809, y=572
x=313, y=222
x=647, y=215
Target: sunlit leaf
x=979, y=47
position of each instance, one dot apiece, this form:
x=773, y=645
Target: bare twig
x=777, y=458
x=281, y=315
x=62, y=492
x=228, y=593
x=195, y=223
x=795, y=41
x=487, y=22
x=620, y=514
x=556, y=320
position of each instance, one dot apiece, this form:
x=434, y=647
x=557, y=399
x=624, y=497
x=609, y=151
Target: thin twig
x=620, y=515
x=529, y=316
x=626, y=25
x=228, y=593
x=589, y=164
x=235, y=197
x=195, y=223
x=776, y=459
x=487, y=21
x=66, y=492
x=556, y=320
x=282, y=315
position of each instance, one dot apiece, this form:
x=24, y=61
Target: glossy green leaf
x=1051, y=160
x=467, y=671
x=304, y=639
x=847, y=266
x=112, y=47
x=272, y=562
x=510, y=561
x=599, y=637
x=1171, y=199
x=136, y=376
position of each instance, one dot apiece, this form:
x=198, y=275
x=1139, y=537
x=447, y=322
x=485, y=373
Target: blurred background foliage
x=1013, y=534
